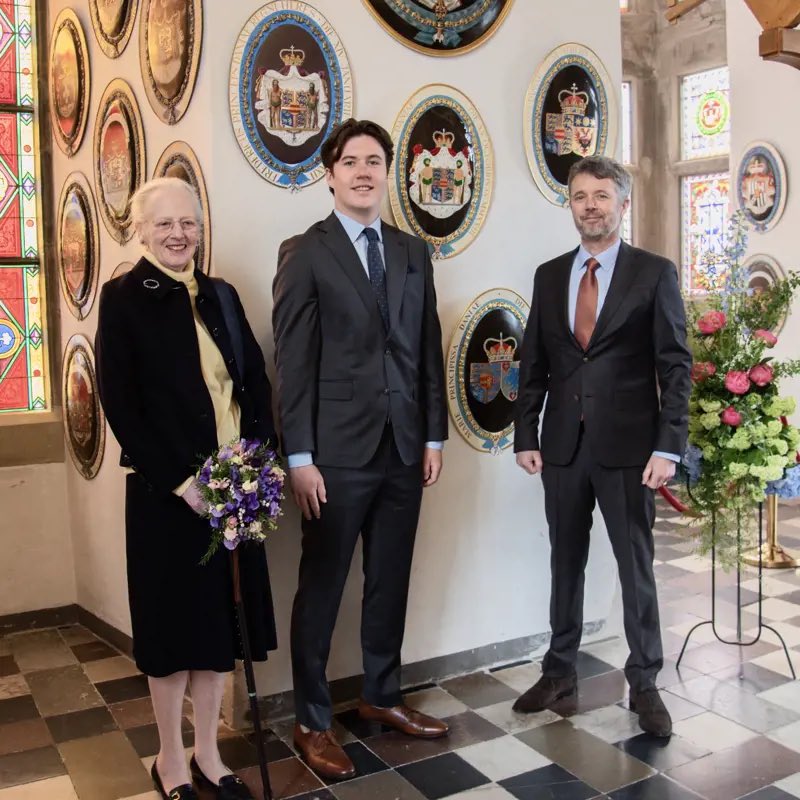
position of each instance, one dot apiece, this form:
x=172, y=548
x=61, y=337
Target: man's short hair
x=333, y=146
x=603, y=167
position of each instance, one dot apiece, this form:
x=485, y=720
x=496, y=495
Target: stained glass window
x=626, y=231
x=624, y=5
x=706, y=114
x=627, y=124
x=704, y=223
x=22, y=351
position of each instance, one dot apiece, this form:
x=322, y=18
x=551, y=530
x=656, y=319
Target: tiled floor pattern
x=76, y=722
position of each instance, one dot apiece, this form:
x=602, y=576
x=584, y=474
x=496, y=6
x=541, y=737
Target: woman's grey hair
x=603, y=167
x=140, y=202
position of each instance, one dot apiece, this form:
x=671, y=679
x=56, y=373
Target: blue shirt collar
x=354, y=229
x=607, y=259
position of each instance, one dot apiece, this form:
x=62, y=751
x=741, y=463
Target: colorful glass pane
x=706, y=114
x=626, y=231
x=627, y=124
x=704, y=222
x=23, y=381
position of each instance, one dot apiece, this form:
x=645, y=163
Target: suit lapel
x=624, y=273
x=564, y=273
x=395, y=255
x=337, y=241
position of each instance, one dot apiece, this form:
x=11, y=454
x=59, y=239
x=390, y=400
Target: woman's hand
x=194, y=498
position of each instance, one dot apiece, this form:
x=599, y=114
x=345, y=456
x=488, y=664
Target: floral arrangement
x=739, y=437
x=242, y=484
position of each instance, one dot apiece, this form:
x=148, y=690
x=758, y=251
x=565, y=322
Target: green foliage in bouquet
x=739, y=436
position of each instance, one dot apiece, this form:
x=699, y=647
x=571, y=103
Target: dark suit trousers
x=628, y=508
x=380, y=501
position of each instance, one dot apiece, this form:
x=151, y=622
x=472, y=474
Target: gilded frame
x=180, y=157
x=432, y=26
x=119, y=100
x=772, y=157
x=476, y=435
x=566, y=56
x=769, y=270
x=67, y=23
x=170, y=108
x=417, y=106
x=113, y=43
x=77, y=186
x=79, y=351
x=245, y=85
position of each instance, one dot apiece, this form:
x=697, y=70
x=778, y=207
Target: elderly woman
x=173, y=392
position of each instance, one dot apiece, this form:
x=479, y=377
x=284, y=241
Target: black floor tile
x=81, y=724
x=769, y=793
x=364, y=760
x=587, y=666
x=320, y=794
x=656, y=788
x=548, y=783
x=661, y=754
x=442, y=776
x=237, y=753
x=146, y=743
x=32, y=765
x=360, y=728
x=123, y=689
x=8, y=666
x=17, y=709
x=274, y=748
x=93, y=651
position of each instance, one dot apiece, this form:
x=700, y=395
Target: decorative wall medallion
x=112, y=21
x=70, y=82
x=170, y=37
x=290, y=85
x=119, y=157
x=180, y=161
x=443, y=171
x=761, y=186
x=440, y=27
x=570, y=112
x=765, y=271
x=483, y=369
x=84, y=421
x=78, y=245
x=121, y=269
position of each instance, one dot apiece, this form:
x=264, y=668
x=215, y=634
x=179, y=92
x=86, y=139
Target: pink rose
x=768, y=337
x=231, y=522
x=737, y=382
x=761, y=374
x=702, y=370
x=711, y=322
x=730, y=416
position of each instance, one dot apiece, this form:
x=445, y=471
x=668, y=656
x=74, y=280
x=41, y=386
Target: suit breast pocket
x=336, y=390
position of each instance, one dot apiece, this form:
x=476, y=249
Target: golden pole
x=773, y=556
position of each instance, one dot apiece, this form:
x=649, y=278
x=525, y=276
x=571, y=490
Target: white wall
x=481, y=566
x=37, y=568
x=757, y=88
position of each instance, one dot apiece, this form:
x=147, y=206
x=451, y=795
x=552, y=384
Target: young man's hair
x=602, y=167
x=333, y=146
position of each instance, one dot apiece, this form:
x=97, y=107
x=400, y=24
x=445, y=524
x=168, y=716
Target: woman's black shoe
x=230, y=787
x=183, y=792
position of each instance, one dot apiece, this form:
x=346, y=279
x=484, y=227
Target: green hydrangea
x=774, y=428
x=740, y=440
x=781, y=406
x=709, y=405
x=709, y=452
x=710, y=421
x=737, y=469
x=766, y=473
x=780, y=446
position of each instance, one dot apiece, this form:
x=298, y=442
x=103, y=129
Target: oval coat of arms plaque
x=290, y=85
x=483, y=369
x=570, y=112
x=443, y=170
x=761, y=186
x=84, y=421
x=112, y=21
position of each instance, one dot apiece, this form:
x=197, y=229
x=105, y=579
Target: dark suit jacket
x=151, y=385
x=340, y=374
x=632, y=383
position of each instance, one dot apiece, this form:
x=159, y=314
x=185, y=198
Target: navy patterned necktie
x=377, y=274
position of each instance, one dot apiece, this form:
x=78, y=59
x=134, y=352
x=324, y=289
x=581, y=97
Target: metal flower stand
x=771, y=554
x=739, y=640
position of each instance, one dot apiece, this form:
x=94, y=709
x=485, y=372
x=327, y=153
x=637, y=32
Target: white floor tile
x=773, y=608
x=503, y=758
x=787, y=695
x=503, y=717
x=49, y=789
x=790, y=784
x=613, y=652
x=712, y=732
x=692, y=563
x=489, y=792
x=611, y=723
x=777, y=662
x=520, y=678
x=436, y=702
x=788, y=736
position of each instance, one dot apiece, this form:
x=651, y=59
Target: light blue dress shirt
x=607, y=260
x=355, y=233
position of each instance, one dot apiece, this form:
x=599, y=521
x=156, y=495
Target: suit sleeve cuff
x=304, y=459
x=670, y=456
x=434, y=445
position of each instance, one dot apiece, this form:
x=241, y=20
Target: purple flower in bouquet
x=242, y=484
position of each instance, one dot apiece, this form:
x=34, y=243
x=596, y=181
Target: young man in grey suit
x=606, y=344
x=361, y=392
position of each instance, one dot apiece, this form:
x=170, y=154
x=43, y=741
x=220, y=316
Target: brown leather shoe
x=404, y=719
x=545, y=692
x=323, y=753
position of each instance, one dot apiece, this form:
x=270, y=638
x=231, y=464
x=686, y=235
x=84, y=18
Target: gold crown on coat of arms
x=501, y=349
x=572, y=101
x=292, y=56
x=444, y=138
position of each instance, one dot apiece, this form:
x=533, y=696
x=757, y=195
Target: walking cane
x=250, y=677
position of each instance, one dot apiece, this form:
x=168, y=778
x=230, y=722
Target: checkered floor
x=76, y=721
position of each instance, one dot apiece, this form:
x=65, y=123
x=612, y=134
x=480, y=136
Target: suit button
x=585, y=359
x=201, y=300
x=229, y=362
x=576, y=397
x=387, y=351
x=215, y=332
x=386, y=391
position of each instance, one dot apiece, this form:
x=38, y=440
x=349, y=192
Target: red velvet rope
x=672, y=500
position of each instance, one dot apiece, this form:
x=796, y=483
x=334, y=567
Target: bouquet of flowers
x=739, y=437
x=243, y=486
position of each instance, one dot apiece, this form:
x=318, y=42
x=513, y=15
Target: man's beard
x=594, y=232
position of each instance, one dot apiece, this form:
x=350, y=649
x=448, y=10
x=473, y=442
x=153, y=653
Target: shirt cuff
x=434, y=445
x=303, y=459
x=670, y=456
x=180, y=490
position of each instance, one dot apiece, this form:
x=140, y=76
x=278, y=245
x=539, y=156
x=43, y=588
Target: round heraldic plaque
x=761, y=186
x=483, y=369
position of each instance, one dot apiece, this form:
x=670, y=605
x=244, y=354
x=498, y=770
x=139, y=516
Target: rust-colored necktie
x=586, y=305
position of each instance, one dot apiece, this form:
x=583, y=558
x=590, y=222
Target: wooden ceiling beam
x=677, y=10
x=775, y=13
x=781, y=45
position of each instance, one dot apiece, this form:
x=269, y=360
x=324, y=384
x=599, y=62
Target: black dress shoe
x=230, y=787
x=544, y=693
x=653, y=715
x=183, y=792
